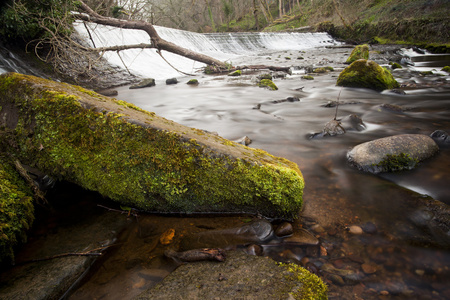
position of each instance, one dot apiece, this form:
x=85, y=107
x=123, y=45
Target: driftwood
x=216, y=254
x=261, y=67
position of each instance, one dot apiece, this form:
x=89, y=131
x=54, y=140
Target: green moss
x=142, y=160
x=308, y=77
x=426, y=73
x=311, y=287
x=366, y=74
x=446, y=69
x=359, y=52
x=393, y=162
x=193, y=81
x=268, y=83
x=395, y=65
x=16, y=211
x=319, y=70
x=235, y=73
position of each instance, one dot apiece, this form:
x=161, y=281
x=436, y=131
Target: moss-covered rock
x=308, y=77
x=235, y=73
x=359, y=52
x=393, y=153
x=193, y=82
x=267, y=83
x=446, y=69
x=138, y=158
x=367, y=74
x=16, y=210
x=246, y=276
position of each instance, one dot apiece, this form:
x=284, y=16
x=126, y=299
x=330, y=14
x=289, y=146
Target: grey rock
x=392, y=153
x=148, y=82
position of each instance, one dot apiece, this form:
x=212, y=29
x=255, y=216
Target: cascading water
x=223, y=46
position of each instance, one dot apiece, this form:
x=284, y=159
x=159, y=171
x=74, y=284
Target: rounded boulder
x=394, y=153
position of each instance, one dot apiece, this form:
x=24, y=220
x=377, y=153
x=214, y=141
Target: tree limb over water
x=156, y=41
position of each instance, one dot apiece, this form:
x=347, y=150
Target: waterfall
x=229, y=47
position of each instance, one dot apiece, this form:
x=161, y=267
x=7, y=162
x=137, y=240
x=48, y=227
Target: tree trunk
x=156, y=41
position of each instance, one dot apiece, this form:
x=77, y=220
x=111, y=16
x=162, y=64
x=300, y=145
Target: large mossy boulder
x=393, y=153
x=240, y=276
x=16, y=210
x=366, y=74
x=359, y=52
x=138, y=158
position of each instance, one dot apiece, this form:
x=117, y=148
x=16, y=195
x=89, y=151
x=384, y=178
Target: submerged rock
x=394, y=153
x=367, y=74
x=171, y=81
x=256, y=232
x=148, y=82
x=441, y=137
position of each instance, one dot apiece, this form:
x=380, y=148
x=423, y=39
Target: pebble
x=369, y=268
x=302, y=237
x=354, y=229
x=369, y=228
x=420, y=272
x=317, y=228
x=285, y=229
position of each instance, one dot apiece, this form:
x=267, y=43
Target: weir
x=230, y=47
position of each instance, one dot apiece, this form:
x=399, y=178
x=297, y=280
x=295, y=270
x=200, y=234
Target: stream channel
x=401, y=254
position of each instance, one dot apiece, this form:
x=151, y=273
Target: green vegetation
x=312, y=287
x=16, y=210
x=393, y=163
x=308, y=77
x=446, y=69
x=268, y=84
x=395, y=65
x=139, y=159
x=359, y=52
x=366, y=74
x=193, y=82
x=235, y=73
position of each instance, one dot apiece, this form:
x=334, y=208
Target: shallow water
x=405, y=250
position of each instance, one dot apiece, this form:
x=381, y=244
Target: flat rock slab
x=240, y=276
x=394, y=153
x=51, y=279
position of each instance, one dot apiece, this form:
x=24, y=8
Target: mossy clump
x=265, y=76
x=367, y=74
x=308, y=77
x=426, y=73
x=320, y=70
x=312, y=287
x=268, y=84
x=235, y=73
x=16, y=210
x=446, y=69
x=140, y=159
x=193, y=82
x=397, y=162
x=395, y=65
x=359, y=52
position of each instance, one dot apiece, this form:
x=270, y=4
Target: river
x=402, y=256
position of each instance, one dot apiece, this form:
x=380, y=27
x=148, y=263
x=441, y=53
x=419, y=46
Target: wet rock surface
x=392, y=153
x=240, y=276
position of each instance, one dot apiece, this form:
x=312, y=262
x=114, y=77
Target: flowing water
x=402, y=255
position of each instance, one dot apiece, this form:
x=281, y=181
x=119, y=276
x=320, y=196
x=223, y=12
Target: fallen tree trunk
x=138, y=158
x=156, y=41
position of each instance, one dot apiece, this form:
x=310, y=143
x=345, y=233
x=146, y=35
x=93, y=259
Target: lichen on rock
x=138, y=158
x=366, y=74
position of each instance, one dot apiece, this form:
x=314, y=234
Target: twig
x=337, y=104
x=119, y=211
x=160, y=54
x=87, y=253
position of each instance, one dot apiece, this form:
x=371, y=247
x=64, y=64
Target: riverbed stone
x=367, y=74
x=393, y=153
x=138, y=158
x=148, y=82
x=240, y=276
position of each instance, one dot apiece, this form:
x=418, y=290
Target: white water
x=229, y=47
